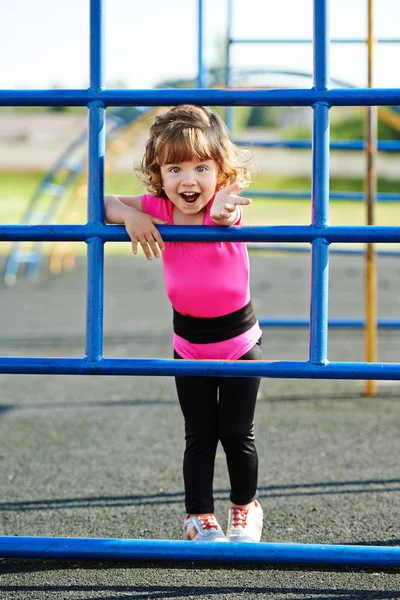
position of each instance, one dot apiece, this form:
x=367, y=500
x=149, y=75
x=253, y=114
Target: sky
x=45, y=44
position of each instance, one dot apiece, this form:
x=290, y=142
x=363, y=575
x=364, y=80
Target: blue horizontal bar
x=207, y=97
x=176, y=550
x=160, y=367
x=260, y=247
x=361, y=234
x=383, y=145
x=293, y=194
x=338, y=322
x=309, y=40
x=199, y=233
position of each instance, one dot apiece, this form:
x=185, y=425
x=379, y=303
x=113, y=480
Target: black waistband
x=214, y=329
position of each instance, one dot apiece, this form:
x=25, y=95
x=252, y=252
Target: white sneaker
x=245, y=524
x=203, y=528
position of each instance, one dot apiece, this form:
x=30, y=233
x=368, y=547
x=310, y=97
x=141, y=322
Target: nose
x=188, y=178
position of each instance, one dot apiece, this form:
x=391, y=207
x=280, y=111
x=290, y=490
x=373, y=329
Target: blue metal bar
x=320, y=191
x=229, y=25
x=95, y=299
x=320, y=167
x=198, y=233
x=318, y=346
x=228, y=69
x=155, y=367
x=340, y=234
x=341, y=322
x=293, y=194
x=96, y=165
x=95, y=248
x=260, y=247
x=167, y=550
x=287, y=194
x=383, y=145
x=309, y=41
x=321, y=72
x=208, y=97
x=201, y=79
x=96, y=45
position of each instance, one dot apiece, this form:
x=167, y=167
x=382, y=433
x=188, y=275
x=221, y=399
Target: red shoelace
x=208, y=521
x=239, y=517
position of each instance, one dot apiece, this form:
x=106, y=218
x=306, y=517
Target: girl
x=193, y=172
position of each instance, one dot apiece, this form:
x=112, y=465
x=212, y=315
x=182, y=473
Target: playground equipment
x=390, y=116
x=388, y=146
x=54, y=193
x=55, y=190
x=95, y=233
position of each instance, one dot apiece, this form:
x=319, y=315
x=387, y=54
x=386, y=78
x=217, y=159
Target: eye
x=174, y=170
x=201, y=169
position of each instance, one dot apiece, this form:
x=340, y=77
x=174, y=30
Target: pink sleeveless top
x=205, y=279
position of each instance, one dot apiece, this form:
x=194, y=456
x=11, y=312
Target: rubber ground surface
x=101, y=456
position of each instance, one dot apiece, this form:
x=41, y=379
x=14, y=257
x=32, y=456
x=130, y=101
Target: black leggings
x=219, y=408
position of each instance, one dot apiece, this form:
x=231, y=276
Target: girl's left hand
x=224, y=209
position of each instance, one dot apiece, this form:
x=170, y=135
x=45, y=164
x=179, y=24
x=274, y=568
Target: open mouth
x=189, y=197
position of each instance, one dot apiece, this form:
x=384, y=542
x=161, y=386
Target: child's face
x=190, y=185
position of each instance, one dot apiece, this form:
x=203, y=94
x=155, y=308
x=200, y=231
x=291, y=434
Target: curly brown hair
x=186, y=132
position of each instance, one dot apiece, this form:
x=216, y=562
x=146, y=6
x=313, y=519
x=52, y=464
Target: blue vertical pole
x=95, y=253
x=320, y=190
x=201, y=76
x=228, y=68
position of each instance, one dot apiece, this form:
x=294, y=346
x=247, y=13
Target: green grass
x=16, y=189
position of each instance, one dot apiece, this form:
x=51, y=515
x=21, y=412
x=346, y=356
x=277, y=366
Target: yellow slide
x=389, y=116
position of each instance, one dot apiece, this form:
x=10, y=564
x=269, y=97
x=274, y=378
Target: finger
x=158, y=238
x=153, y=245
x=242, y=201
x=230, y=208
x=145, y=247
x=221, y=216
x=157, y=221
x=234, y=187
x=134, y=246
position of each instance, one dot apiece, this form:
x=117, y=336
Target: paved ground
x=101, y=456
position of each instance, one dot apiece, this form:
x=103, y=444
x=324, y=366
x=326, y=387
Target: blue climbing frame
x=95, y=233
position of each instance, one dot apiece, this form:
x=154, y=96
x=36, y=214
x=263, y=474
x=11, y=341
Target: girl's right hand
x=141, y=229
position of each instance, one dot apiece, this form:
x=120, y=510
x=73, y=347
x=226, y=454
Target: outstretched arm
x=141, y=228
x=225, y=208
